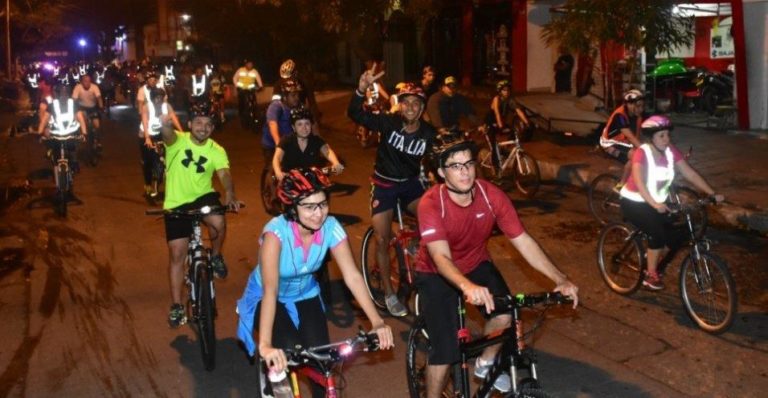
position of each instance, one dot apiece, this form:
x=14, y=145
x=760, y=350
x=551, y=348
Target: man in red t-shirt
x=456, y=219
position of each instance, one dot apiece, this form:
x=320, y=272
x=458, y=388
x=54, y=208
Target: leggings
x=148, y=160
x=312, y=330
x=656, y=225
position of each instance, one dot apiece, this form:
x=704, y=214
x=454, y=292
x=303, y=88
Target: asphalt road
x=84, y=300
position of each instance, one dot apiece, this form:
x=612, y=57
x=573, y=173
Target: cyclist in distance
x=87, y=96
x=191, y=160
x=279, y=118
x=620, y=134
x=456, y=220
x=58, y=117
x=155, y=113
x=644, y=195
x=405, y=139
x=447, y=106
x=282, y=292
x=307, y=99
x=502, y=106
x=302, y=149
x=247, y=80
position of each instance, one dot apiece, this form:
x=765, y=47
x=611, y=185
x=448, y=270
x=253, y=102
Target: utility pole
x=8, y=39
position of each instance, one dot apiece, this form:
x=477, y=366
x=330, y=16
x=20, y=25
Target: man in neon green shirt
x=191, y=160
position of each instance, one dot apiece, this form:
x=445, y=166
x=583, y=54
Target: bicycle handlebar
x=688, y=208
x=334, y=352
x=527, y=300
x=203, y=211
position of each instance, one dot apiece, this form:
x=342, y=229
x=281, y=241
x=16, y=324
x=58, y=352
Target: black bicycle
x=199, y=279
x=62, y=157
x=93, y=144
x=513, y=357
x=158, y=165
x=707, y=288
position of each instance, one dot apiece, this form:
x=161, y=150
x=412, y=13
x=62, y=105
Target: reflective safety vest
x=56, y=71
x=99, y=77
x=169, y=73
x=154, y=121
x=83, y=70
x=208, y=70
x=247, y=79
x=32, y=79
x=62, y=124
x=615, y=137
x=658, y=179
x=198, y=87
x=64, y=79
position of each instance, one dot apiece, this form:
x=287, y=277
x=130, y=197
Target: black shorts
x=181, y=227
x=438, y=301
x=92, y=112
x=384, y=194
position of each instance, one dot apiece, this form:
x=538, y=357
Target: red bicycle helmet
x=300, y=183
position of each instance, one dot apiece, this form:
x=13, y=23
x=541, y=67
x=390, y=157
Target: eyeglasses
x=458, y=167
x=312, y=207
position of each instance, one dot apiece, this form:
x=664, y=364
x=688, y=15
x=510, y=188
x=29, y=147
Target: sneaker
x=219, y=268
x=177, y=316
x=394, y=306
x=147, y=190
x=503, y=383
x=653, y=282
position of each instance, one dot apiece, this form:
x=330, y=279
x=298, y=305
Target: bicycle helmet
x=287, y=69
x=289, y=86
x=300, y=114
x=201, y=109
x=449, y=143
x=400, y=86
x=501, y=84
x=654, y=124
x=412, y=89
x=633, y=96
x=297, y=184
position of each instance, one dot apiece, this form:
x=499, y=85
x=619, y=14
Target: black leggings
x=148, y=160
x=656, y=225
x=312, y=331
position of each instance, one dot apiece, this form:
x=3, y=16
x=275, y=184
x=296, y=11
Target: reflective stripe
x=154, y=122
x=208, y=70
x=99, y=77
x=63, y=123
x=658, y=178
x=169, y=73
x=33, y=79
x=83, y=70
x=198, y=88
x=620, y=138
x=247, y=79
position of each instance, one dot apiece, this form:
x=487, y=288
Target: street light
x=82, y=43
x=186, y=17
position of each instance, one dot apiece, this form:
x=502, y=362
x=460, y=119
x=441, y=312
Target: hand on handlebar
x=478, y=295
x=717, y=198
x=384, y=333
x=661, y=207
x=232, y=202
x=337, y=169
x=567, y=288
x=274, y=358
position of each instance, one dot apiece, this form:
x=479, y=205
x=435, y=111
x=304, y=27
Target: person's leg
x=382, y=227
x=436, y=378
x=313, y=331
x=177, y=253
x=146, y=163
x=217, y=231
x=80, y=115
x=625, y=156
x=651, y=222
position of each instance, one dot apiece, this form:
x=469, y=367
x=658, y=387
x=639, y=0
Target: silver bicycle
x=510, y=160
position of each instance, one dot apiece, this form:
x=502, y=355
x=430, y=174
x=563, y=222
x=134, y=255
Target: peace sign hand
x=367, y=78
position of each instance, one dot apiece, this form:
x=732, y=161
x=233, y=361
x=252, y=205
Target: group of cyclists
x=456, y=217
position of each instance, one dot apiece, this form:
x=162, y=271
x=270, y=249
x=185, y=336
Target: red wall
x=701, y=50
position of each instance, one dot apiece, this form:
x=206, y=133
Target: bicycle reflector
x=345, y=350
x=205, y=209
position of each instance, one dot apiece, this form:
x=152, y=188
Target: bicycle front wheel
x=620, y=258
x=269, y=192
x=416, y=362
x=708, y=292
x=685, y=197
x=603, y=199
x=62, y=190
x=206, y=312
x=527, y=175
x=371, y=269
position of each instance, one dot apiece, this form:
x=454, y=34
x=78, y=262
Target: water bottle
x=281, y=385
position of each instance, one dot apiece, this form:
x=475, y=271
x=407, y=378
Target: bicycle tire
x=206, y=314
x=603, y=199
x=371, y=272
x=269, y=192
x=704, y=283
x=685, y=196
x=527, y=174
x=62, y=190
x=621, y=262
x=416, y=362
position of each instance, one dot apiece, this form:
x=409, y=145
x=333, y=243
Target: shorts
x=439, y=300
x=90, y=112
x=385, y=194
x=181, y=227
x=661, y=233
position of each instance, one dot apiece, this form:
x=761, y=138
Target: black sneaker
x=177, y=316
x=219, y=268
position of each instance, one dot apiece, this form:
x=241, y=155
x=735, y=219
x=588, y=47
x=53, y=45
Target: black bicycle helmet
x=301, y=114
x=449, y=143
x=201, y=109
x=289, y=86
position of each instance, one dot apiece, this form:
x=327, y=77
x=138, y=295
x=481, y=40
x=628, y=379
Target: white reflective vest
x=62, y=124
x=56, y=71
x=83, y=70
x=198, y=87
x=99, y=77
x=658, y=179
x=154, y=122
x=247, y=79
x=32, y=78
x=208, y=70
x=374, y=91
x=169, y=73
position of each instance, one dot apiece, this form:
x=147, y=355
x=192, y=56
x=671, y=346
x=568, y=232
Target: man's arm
x=225, y=177
x=536, y=257
x=259, y=84
x=474, y=294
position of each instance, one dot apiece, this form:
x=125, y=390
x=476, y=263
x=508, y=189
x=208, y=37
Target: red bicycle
x=319, y=364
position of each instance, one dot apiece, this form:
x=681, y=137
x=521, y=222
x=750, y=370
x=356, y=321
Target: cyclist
x=199, y=86
x=307, y=100
x=644, y=195
x=87, y=96
x=279, y=118
x=217, y=90
x=404, y=142
x=447, y=106
x=55, y=121
x=427, y=82
x=248, y=81
x=154, y=114
x=502, y=106
x=282, y=292
x=456, y=219
x=620, y=134
x=152, y=81
x=191, y=160
x=302, y=149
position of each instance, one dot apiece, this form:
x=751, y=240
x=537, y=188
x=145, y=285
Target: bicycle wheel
x=416, y=361
x=372, y=272
x=685, y=196
x=269, y=192
x=206, y=313
x=62, y=190
x=708, y=292
x=527, y=175
x=620, y=258
x=603, y=199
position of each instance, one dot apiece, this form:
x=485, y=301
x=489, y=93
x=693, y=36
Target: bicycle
x=603, y=199
x=63, y=174
x=514, y=356
x=158, y=165
x=704, y=279
x=404, y=246
x=325, y=359
x=93, y=147
x=521, y=165
x=199, y=279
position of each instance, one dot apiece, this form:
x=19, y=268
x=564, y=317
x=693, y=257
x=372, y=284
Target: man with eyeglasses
x=456, y=219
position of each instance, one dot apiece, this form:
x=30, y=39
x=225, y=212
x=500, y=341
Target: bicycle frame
x=512, y=157
x=197, y=256
x=402, y=237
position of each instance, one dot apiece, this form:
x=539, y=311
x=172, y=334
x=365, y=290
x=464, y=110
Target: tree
x=586, y=26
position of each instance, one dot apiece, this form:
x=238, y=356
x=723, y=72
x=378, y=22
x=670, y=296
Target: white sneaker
x=395, y=307
x=503, y=383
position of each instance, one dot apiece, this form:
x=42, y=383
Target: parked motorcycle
x=714, y=89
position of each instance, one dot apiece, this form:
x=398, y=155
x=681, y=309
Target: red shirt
x=639, y=157
x=466, y=229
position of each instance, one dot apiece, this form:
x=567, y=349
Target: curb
x=731, y=214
